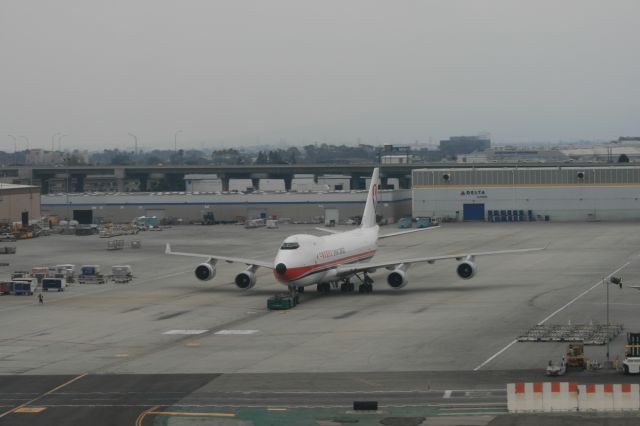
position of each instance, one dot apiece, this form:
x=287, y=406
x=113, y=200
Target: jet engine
x=246, y=279
x=398, y=278
x=205, y=271
x=466, y=269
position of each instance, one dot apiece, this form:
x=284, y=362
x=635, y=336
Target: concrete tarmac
x=438, y=323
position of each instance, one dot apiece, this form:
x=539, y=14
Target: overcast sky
x=236, y=72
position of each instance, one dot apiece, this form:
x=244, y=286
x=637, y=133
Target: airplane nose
x=281, y=268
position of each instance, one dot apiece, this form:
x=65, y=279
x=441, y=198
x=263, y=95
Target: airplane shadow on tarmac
x=382, y=289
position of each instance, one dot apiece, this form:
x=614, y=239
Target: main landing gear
x=367, y=285
x=347, y=286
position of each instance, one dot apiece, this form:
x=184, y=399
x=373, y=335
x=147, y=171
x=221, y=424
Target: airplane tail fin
x=369, y=215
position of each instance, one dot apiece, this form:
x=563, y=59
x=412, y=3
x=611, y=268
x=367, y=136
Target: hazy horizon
x=286, y=72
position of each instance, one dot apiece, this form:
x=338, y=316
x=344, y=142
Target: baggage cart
x=22, y=288
x=121, y=274
x=52, y=284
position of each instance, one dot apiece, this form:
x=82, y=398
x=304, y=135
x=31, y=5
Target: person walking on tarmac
x=41, y=299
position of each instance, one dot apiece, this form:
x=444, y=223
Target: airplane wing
x=395, y=234
x=250, y=262
x=327, y=230
x=360, y=267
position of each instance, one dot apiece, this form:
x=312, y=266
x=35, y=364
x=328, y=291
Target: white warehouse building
x=528, y=193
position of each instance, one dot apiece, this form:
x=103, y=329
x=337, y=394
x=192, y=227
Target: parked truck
x=631, y=363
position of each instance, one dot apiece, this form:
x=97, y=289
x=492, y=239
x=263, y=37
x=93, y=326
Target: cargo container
x=5, y=287
x=40, y=272
x=53, y=284
x=22, y=288
x=121, y=273
x=20, y=274
x=67, y=271
x=88, y=270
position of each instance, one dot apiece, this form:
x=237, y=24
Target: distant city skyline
x=92, y=75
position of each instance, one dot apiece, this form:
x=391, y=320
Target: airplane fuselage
x=308, y=259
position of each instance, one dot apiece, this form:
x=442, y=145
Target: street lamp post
x=175, y=140
x=135, y=145
x=15, y=149
x=60, y=142
x=616, y=281
x=53, y=138
x=26, y=139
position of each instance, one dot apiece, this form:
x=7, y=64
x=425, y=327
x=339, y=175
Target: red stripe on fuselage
x=295, y=273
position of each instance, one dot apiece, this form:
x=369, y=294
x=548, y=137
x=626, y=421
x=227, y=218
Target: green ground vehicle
x=282, y=301
x=405, y=222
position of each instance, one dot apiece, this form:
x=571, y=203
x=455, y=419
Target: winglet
x=167, y=249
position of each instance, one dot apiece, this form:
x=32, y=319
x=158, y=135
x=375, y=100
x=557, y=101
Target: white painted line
x=188, y=332
x=554, y=313
x=447, y=394
x=241, y=332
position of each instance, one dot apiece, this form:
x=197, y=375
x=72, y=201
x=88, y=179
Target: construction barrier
x=542, y=397
x=609, y=397
x=559, y=396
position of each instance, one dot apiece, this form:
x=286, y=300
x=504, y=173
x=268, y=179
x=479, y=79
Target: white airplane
x=332, y=261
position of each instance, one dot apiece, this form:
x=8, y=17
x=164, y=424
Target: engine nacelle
x=205, y=271
x=246, y=279
x=398, y=278
x=466, y=269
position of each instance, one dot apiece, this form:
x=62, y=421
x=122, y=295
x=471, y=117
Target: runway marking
x=144, y=414
x=447, y=394
x=554, y=313
x=240, y=332
x=188, y=413
x=188, y=332
x=68, y=382
x=30, y=410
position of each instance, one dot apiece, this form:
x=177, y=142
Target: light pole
x=26, y=139
x=135, y=143
x=60, y=142
x=15, y=149
x=175, y=140
x=53, y=138
x=616, y=281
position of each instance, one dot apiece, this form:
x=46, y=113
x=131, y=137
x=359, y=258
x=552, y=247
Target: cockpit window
x=289, y=246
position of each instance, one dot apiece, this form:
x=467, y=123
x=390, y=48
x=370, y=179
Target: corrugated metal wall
x=567, y=193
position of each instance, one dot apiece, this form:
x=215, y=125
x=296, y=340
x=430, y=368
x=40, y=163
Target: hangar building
x=19, y=203
x=302, y=207
x=528, y=193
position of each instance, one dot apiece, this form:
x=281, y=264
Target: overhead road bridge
x=61, y=178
